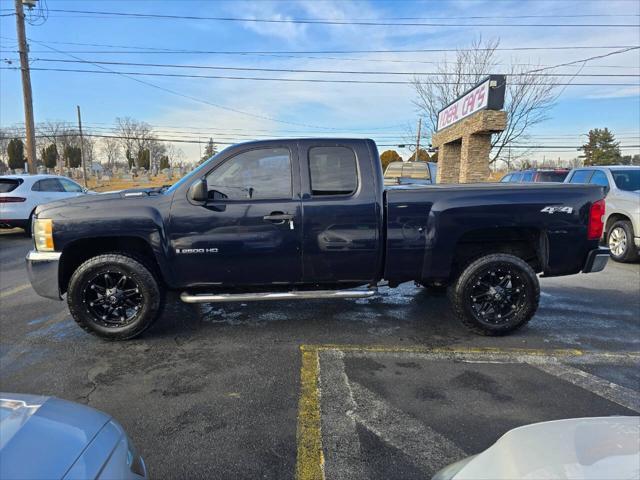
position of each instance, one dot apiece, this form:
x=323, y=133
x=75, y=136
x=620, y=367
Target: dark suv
x=537, y=175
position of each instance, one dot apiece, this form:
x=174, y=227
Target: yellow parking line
x=19, y=288
x=418, y=349
x=310, y=460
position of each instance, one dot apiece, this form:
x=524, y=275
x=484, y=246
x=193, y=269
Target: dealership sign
x=488, y=94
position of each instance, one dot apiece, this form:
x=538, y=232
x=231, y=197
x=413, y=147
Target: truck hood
x=584, y=448
x=41, y=437
x=123, y=195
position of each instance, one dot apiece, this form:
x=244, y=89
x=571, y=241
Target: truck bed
x=428, y=225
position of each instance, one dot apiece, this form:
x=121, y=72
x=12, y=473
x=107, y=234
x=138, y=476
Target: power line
x=376, y=23
x=330, y=52
x=341, y=72
x=292, y=80
x=477, y=17
x=195, y=99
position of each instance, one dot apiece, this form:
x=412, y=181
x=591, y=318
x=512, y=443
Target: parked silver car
x=622, y=215
x=49, y=438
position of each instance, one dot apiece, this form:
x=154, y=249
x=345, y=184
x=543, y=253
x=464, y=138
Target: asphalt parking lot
x=390, y=387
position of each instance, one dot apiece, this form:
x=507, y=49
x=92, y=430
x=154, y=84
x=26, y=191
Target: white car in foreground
x=598, y=448
x=21, y=194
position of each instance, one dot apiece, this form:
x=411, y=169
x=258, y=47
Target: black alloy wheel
x=115, y=296
x=496, y=294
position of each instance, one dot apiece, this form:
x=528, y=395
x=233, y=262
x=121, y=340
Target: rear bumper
x=596, y=260
x=42, y=268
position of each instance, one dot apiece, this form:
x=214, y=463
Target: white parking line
x=611, y=391
x=341, y=444
x=423, y=445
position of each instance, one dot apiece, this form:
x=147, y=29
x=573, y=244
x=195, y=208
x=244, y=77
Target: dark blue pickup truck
x=310, y=218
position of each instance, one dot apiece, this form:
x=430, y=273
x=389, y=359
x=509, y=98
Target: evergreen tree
x=50, y=156
x=130, y=160
x=72, y=156
x=209, y=150
x=602, y=148
x=164, y=162
x=15, y=151
x=144, y=159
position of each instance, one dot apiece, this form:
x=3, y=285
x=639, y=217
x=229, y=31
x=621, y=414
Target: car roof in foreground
x=26, y=175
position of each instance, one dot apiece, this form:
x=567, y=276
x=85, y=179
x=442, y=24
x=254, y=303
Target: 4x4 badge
x=551, y=210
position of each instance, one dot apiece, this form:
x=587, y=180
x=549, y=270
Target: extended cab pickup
x=310, y=218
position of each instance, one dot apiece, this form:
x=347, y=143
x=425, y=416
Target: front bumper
x=596, y=260
x=42, y=268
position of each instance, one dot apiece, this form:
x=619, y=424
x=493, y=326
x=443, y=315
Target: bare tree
x=135, y=136
x=528, y=96
x=110, y=148
x=175, y=154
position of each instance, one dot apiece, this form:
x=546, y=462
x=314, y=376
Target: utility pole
x=84, y=166
x=23, y=49
x=418, y=139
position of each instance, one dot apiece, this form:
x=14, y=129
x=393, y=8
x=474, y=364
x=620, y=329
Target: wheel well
x=529, y=244
x=613, y=218
x=76, y=253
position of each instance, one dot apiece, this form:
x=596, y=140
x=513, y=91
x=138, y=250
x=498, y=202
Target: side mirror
x=198, y=191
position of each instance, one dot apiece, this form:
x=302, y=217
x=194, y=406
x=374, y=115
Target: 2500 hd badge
x=185, y=251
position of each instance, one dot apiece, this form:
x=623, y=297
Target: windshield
x=628, y=180
x=189, y=176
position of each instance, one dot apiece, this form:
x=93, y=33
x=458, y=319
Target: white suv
x=21, y=194
x=622, y=215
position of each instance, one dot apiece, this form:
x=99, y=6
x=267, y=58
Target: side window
x=581, y=176
x=599, y=178
x=47, y=185
x=506, y=178
x=69, y=186
x=333, y=171
x=259, y=174
x=516, y=177
x=528, y=176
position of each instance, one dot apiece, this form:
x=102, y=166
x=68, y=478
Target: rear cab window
x=333, y=171
x=9, y=184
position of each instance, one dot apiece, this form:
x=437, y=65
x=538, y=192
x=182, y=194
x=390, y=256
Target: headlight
x=43, y=234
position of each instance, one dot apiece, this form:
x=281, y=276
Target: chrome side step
x=264, y=296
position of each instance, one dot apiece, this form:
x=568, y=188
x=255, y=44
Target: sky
x=232, y=110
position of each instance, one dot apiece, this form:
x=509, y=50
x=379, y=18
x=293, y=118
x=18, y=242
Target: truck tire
x=620, y=242
x=496, y=294
x=114, y=296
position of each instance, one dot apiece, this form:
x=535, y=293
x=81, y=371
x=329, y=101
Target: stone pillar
x=474, y=158
x=464, y=147
x=449, y=162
